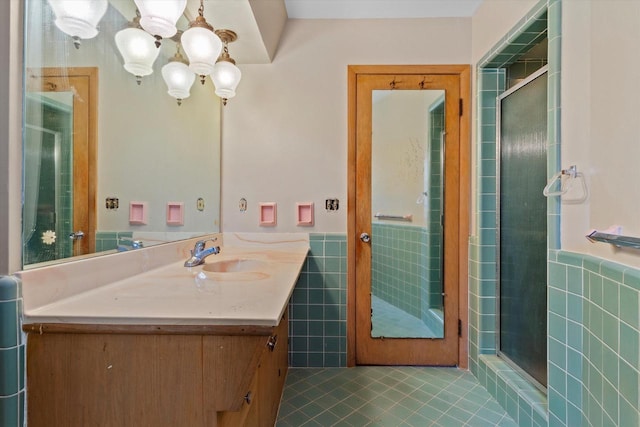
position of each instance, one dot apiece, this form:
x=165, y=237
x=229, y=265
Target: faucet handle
x=199, y=246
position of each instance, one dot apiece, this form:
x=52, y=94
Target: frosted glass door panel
x=523, y=228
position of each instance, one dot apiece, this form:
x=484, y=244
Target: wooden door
x=411, y=349
x=82, y=83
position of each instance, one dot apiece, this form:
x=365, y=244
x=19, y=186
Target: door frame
x=464, y=188
x=83, y=82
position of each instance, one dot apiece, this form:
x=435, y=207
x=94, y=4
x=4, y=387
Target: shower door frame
x=462, y=189
x=533, y=76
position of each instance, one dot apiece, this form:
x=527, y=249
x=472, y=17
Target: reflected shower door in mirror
x=407, y=165
x=147, y=150
x=59, y=211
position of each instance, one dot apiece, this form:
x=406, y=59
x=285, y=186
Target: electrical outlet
x=111, y=203
x=332, y=204
x=200, y=204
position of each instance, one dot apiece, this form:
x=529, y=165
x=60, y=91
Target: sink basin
x=235, y=266
x=237, y=269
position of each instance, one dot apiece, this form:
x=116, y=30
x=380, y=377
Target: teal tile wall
x=405, y=273
x=109, y=240
x=400, y=267
x=318, y=306
x=594, y=342
x=482, y=249
x=435, y=205
x=521, y=69
x=522, y=400
x=12, y=354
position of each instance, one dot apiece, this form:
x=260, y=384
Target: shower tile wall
x=12, y=353
x=593, y=304
x=318, y=307
x=521, y=400
x=482, y=247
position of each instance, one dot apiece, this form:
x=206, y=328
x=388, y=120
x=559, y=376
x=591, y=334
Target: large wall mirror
x=110, y=164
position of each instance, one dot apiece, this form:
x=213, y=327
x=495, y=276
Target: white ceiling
x=371, y=9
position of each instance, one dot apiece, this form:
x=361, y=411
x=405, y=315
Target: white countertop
x=172, y=294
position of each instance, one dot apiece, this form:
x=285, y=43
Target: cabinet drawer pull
x=272, y=342
x=247, y=397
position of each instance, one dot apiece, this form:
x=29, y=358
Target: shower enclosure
x=522, y=225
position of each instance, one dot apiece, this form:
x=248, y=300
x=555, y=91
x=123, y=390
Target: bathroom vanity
x=168, y=346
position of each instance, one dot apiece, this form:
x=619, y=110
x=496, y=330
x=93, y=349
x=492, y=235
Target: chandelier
x=138, y=49
x=206, y=49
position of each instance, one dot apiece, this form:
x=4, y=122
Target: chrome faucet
x=199, y=253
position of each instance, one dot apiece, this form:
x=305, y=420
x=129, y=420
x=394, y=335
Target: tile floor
x=389, y=397
x=389, y=321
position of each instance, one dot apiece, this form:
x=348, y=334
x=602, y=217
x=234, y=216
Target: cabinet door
x=114, y=380
x=248, y=415
x=273, y=371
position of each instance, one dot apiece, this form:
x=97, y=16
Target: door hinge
x=459, y=327
x=460, y=107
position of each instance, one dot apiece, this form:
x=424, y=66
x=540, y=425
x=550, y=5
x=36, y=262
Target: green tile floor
x=387, y=396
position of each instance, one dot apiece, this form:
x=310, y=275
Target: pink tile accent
x=138, y=213
x=268, y=214
x=305, y=213
x=175, y=213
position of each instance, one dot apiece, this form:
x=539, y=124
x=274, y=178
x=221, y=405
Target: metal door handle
x=365, y=237
x=77, y=235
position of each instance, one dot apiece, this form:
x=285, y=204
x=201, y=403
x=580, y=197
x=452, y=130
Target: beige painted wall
x=600, y=113
x=285, y=134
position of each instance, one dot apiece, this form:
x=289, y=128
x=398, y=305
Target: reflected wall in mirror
x=407, y=169
x=146, y=147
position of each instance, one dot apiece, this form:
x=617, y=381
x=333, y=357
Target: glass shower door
x=522, y=254
x=48, y=179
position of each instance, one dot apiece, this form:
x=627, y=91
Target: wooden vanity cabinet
x=267, y=385
x=90, y=375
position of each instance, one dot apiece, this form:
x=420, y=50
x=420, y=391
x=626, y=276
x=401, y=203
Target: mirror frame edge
x=11, y=84
x=464, y=73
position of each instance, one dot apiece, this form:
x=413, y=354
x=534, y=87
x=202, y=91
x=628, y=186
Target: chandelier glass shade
x=206, y=50
x=138, y=51
x=79, y=19
x=201, y=44
x=226, y=76
x=202, y=47
x=159, y=17
x=178, y=77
